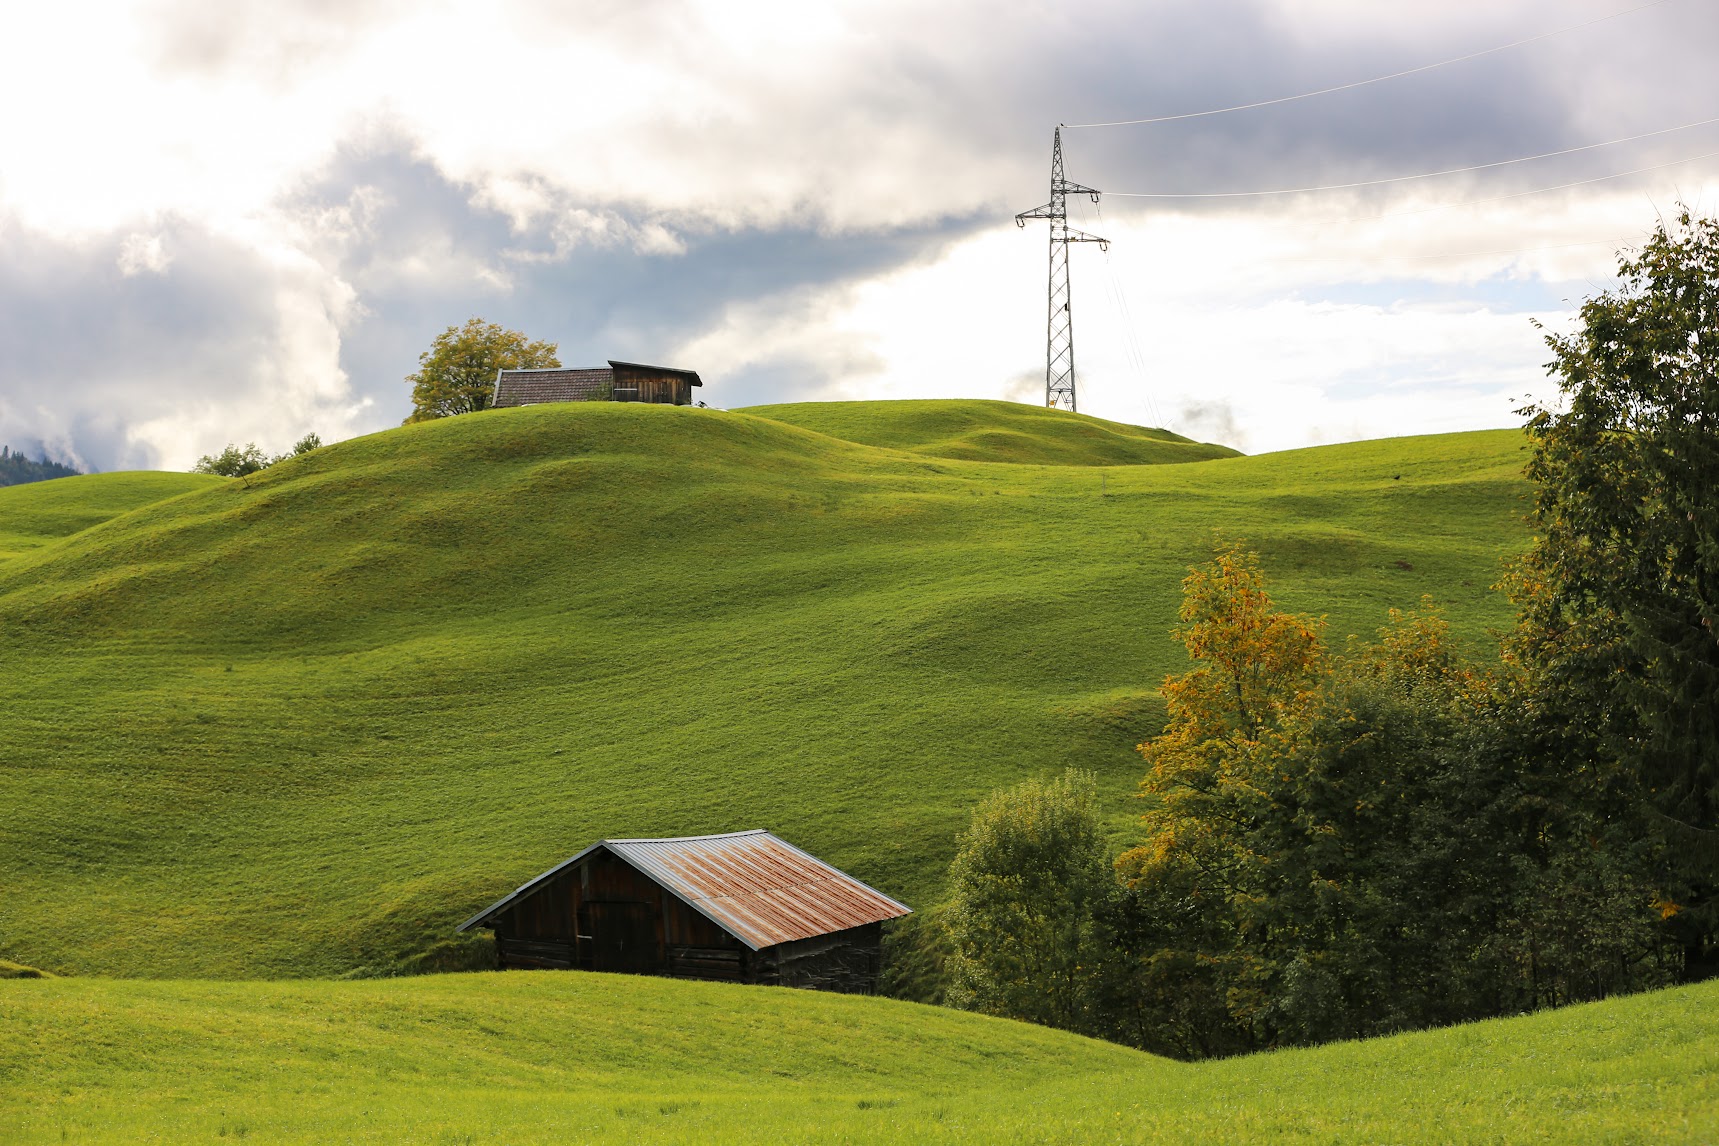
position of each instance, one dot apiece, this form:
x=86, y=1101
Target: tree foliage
x=233, y=461
x=1350, y=844
x=457, y=374
x=236, y=462
x=1620, y=593
x=1030, y=875
x=18, y=469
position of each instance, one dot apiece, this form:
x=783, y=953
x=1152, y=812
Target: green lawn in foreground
x=985, y=431
x=553, y=1057
x=303, y=723
x=34, y=514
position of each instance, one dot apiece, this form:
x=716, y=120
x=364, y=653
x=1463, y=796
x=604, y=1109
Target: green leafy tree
x=1620, y=593
x=1029, y=877
x=236, y=462
x=233, y=461
x=457, y=374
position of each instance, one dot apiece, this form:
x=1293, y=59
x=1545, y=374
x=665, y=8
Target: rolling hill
x=35, y=514
x=544, y=1057
x=987, y=431
x=300, y=724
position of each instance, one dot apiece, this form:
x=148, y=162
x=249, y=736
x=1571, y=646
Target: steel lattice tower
x=1059, y=317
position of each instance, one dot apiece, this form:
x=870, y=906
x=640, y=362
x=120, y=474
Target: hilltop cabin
x=744, y=907
x=618, y=382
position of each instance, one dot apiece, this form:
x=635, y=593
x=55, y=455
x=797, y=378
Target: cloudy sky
x=244, y=221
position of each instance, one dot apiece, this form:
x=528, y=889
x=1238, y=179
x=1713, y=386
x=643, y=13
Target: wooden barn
x=744, y=907
x=617, y=382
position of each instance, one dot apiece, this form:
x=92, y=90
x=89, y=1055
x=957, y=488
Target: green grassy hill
x=984, y=431
x=33, y=515
x=300, y=725
x=559, y=1057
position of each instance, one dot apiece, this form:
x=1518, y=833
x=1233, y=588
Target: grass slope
x=35, y=514
x=985, y=431
x=300, y=725
x=546, y=1057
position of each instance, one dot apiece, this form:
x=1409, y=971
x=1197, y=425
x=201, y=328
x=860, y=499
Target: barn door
x=623, y=937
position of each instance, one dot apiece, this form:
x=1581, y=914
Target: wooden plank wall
x=644, y=386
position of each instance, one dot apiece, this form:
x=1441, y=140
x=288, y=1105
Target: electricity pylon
x=1059, y=319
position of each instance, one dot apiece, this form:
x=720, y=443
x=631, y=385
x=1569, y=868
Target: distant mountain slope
x=988, y=431
x=18, y=469
x=302, y=724
x=34, y=514
x=555, y=1057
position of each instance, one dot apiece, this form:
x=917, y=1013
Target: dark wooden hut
x=617, y=382
x=744, y=907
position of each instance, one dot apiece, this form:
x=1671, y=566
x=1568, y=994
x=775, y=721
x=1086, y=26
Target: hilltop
x=987, y=431
x=300, y=724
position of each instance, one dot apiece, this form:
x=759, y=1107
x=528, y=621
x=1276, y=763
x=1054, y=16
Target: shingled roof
x=530, y=387
x=760, y=889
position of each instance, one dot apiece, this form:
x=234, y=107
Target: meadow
x=523, y=1057
x=299, y=724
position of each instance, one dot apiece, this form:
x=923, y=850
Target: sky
x=244, y=221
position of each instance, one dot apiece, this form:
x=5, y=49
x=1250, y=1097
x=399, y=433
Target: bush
x=234, y=462
x=1030, y=877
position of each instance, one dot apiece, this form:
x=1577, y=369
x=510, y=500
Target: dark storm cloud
x=424, y=253
x=1639, y=72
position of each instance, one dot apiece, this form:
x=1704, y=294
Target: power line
x=1511, y=195
x=1375, y=79
x=1404, y=178
x=1482, y=254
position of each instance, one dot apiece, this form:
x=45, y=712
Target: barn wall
x=846, y=961
x=648, y=386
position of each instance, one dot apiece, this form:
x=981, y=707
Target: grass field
x=300, y=724
x=981, y=431
x=39, y=513
x=569, y=1057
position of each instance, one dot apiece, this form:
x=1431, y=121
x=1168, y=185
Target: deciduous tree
x=1620, y=593
x=1029, y=876
x=457, y=374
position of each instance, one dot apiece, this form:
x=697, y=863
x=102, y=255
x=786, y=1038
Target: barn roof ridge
x=730, y=910
x=685, y=839
x=617, y=364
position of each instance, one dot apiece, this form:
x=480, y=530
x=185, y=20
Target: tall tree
x=1620, y=593
x=457, y=374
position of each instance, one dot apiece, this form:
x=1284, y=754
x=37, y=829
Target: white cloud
x=142, y=253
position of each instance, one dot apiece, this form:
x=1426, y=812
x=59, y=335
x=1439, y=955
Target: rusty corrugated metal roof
x=760, y=889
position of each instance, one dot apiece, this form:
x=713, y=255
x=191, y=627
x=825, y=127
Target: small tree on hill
x=1029, y=878
x=457, y=374
x=233, y=461
x=236, y=462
